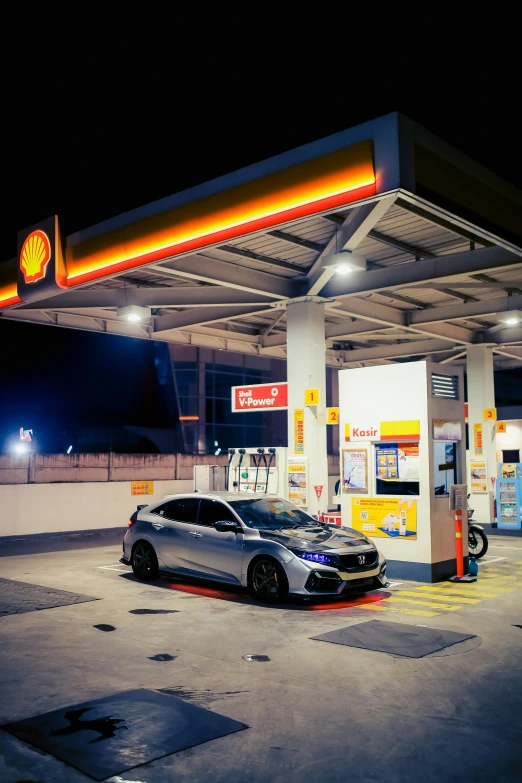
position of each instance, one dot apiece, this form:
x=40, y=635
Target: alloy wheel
x=143, y=559
x=265, y=578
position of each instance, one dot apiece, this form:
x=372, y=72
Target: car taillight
x=131, y=522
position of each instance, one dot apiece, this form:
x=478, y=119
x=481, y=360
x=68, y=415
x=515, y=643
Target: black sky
x=103, y=115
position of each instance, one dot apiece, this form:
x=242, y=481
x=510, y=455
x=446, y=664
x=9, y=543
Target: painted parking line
x=431, y=604
x=441, y=595
x=114, y=568
x=487, y=560
x=415, y=612
x=464, y=591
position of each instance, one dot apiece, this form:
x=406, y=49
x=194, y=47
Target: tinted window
x=211, y=511
x=182, y=510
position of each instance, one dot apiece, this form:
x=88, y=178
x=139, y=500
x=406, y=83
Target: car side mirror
x=228, y=526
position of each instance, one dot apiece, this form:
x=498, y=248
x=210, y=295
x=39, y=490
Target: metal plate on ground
x=20, y=597
x=410, y=641
x=105, y=737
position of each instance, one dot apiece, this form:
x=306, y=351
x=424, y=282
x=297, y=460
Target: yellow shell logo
x=35, y=255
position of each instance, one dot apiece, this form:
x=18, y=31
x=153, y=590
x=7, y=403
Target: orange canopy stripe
x=328, y=182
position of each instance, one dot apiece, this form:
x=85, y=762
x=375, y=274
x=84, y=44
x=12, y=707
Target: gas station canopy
x=414, y=249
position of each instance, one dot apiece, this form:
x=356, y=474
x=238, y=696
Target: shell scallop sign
x=41, y=268
x=34, y=256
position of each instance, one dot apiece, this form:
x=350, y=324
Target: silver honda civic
x=261, y=542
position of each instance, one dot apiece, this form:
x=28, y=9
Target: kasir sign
x=260, y=397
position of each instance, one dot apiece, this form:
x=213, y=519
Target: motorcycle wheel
x=477, y=543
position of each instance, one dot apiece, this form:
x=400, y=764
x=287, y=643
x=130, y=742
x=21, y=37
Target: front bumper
x=321, y=580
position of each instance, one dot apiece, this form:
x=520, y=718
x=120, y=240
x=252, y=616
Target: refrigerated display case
x=509, y=503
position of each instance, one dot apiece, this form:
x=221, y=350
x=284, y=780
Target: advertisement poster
x=142, y=487
x=385, y=517
x=387, y=462
x=447, y=430
x=297, y=482
x=298, y=430
x=477, y=438
x=408, y=461
x=355, y=470
x=511, y=470
x=479, y=478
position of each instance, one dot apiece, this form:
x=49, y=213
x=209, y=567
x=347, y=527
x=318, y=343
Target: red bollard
x=458, y=543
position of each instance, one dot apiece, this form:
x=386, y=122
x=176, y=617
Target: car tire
x=144, y=562
x=267, y=580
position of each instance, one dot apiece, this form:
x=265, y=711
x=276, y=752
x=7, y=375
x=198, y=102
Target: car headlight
x=316, y=557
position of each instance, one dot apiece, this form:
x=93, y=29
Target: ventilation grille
x=446, y=386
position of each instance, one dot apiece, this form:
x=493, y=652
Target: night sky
x=105, y=115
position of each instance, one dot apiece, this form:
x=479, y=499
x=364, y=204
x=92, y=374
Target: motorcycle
x=477, y=539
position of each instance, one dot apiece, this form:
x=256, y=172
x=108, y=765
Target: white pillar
x=306, y=366
x=481, y=395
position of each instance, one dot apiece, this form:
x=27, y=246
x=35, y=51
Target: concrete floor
x=317, y=710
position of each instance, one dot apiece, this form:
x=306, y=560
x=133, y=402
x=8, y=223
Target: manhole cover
x=258, y=658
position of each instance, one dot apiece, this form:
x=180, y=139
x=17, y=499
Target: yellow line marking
x=444, y=595
x=445, y=607
x=416, y=612
x=375, y=607
x=475, y=593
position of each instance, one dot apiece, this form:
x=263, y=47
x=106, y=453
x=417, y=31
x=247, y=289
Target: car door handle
x=196, y=535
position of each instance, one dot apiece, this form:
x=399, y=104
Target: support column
x=481, y=395
x=306, y=365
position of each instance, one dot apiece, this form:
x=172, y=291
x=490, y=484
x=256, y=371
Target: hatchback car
x=258, y=541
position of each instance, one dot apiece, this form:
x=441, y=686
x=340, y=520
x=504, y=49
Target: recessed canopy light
x=512, y=321
x=133, y=313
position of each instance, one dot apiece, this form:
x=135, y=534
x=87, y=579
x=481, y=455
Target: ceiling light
x=133, y=313
x=345, y=262
x=511, y=321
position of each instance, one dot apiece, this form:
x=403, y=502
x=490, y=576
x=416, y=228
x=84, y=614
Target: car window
x=268, y=513
x=211, y=511
x=180, y=510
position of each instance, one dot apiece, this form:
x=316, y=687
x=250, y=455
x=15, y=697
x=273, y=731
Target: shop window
x=510, y=455
x=444, y=466
x=397, y=468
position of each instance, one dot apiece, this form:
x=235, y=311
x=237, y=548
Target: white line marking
x=394, y=584
x=499, y=546
x=113, y=568
x=483, y=561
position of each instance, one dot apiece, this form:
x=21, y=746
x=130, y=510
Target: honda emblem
x=361, y=559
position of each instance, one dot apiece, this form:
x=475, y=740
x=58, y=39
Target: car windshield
x=271, y=514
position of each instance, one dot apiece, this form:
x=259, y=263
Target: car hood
x=323, y=538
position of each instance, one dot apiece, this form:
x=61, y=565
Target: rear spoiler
x=143, y=505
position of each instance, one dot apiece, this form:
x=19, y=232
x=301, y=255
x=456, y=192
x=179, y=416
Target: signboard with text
x=260, y=397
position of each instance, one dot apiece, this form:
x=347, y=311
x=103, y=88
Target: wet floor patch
x=256, y=658
x=153, y=611
x=21, y=597
x=394, y=638
x=163, y=657
x=104, y=627
x=106, y=737
x=199, y=696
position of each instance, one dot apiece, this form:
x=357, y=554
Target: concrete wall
x=51, y=508
x=59, y=468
